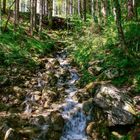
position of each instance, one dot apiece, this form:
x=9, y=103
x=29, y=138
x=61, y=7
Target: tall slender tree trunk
x=130, y=9
x=84, y=10
x=92, y=8
x=79, y=8
x=0, y=19
x=4, y=6
x=41, y=16
x=70, y=7
x=16, y=14
x=119, y=24
x=105, y=10
x=50, y=9
x=135, y=5
x=32, y=16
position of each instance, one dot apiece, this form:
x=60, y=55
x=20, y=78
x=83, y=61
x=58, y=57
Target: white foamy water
x=72, y=110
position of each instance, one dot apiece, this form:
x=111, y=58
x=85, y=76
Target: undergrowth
x=18, y=48
x=100, y=43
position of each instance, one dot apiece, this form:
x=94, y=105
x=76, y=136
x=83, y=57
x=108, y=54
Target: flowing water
x=71, y=110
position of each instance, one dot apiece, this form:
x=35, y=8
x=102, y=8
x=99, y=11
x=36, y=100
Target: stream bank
x=48, y=104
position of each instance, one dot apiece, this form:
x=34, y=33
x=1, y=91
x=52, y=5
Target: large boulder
x=116, y=105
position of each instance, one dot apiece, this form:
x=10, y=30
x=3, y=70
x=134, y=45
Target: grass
x=94, y=43
x=19, y=48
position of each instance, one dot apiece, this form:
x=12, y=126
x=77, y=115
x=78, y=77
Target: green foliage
x=19, y=48
x=94, y=43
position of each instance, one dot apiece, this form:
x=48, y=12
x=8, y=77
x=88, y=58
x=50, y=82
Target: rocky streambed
x=48, y=105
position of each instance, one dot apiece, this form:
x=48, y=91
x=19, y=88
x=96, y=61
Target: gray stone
x=118, y=106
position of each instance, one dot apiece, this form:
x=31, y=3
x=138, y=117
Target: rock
x=38, y=121
x=82, y=95
x=4, y=80
x=46, y=104
x=37, y=97
x=118, y=106
x=97, y=131
x=36, y=93
x=117, y=135
x=113, y=73
x=29, y=132
x=136, y=100
x=50, y=95
x=88, y=105
x=90, y=128
x=57, y=121
x=53, y=61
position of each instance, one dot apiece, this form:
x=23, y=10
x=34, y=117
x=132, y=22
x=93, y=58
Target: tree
x=32, y=14
x=84, y=10
x=4, y=6
x=130, y=9
x=119, y=24
x=41, y=16
x=16, y=14
x=0, y=18
x=50, y=9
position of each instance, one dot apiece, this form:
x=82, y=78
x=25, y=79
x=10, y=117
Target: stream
x=71, y=110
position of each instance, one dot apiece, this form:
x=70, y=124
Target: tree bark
x=84, y=10
x=4, y=6
x=41, y=16
x=130, y=9
x=16, y=14
x=119, y=24
x=0, y=19
x=50, y=8
x=32, y=16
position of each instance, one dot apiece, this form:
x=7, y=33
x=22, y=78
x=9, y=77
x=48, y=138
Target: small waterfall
x=71, y=109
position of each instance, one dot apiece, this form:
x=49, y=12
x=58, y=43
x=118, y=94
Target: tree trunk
x=130, y=9
x=16, y=14
x=119, y=24
x=4, y=6
x=50, y=8
x=32, y=16
x=79, y=8
x=41, y=16
x=0, y=18
x=136, y=4
x=84, y=10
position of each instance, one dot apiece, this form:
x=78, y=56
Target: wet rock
x=38, y=121
x=55, y=123
x=29, y=132
x=81, y=96
x=87, y=106
x=118, y=106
